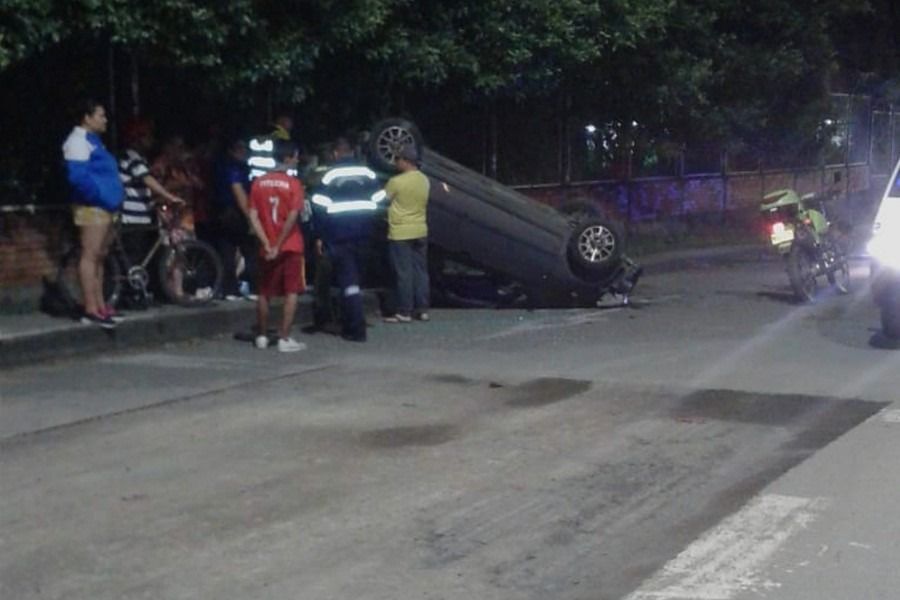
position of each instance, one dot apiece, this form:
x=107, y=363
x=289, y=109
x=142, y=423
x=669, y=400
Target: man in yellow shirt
x=408, y=237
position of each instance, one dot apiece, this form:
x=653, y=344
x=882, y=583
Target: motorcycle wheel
x=801, y=269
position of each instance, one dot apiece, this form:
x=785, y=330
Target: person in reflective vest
x=344, y=205
x=261, y=158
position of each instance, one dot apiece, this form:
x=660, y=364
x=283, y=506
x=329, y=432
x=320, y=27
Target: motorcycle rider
x=344, y=204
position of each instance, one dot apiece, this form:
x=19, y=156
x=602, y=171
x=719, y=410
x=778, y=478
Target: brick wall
x=29, y=247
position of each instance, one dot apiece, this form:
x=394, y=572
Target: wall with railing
x=855, y=150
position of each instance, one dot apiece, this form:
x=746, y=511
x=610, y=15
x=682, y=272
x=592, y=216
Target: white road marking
x=528, y=326
x=729, y=558
x=891, y=416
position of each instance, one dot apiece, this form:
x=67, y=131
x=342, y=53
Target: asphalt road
x=713, y=441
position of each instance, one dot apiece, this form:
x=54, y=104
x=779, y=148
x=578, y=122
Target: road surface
x=714, y=441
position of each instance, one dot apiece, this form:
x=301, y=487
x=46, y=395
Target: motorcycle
x=811, y=245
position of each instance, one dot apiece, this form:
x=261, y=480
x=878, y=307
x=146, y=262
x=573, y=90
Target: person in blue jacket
x=97, y=195
x=344, y=205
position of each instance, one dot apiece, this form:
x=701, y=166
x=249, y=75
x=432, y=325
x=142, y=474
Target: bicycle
x=189, y=270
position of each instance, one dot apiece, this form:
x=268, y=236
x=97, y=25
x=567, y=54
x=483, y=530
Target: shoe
x=398, y=318
x=112, y=314
x=233, y=297
x=290, y=345
x=261, y=342
x=423, y=316
x=251, y=297
x=204, y=293
x=360, y=337
x=100, y=320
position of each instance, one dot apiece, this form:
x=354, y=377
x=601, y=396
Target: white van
x=884, y=248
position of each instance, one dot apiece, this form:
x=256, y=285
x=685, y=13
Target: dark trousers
x=232, y=234
x=346, y=258
x=323, y=311
x=409, y=260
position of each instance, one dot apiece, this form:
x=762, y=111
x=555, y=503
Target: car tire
x=595, y=246
x=388, y=137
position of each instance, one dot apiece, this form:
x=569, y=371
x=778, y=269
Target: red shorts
x=281, y=276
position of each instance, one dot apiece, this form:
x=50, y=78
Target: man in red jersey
x=276, y=200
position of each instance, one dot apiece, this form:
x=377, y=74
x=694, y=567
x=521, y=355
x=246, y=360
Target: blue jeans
x=409, y=260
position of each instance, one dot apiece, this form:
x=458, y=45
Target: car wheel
x=595, y=246
x=388, y=138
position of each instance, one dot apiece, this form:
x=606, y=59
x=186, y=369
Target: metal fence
x=657, y=180
x=534, y=146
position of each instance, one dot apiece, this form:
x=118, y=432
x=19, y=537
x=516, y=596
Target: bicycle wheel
x=67, y=276
x=190, y=273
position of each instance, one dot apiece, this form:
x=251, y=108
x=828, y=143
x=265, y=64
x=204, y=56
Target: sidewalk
x=34, y=337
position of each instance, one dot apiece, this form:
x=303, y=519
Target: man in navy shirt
x=231, y=208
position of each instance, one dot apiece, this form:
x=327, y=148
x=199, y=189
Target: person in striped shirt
x=140, y=185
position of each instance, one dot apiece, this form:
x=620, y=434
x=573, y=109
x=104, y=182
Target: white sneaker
x=290, y=345
x=398, y=318
x=262, y=342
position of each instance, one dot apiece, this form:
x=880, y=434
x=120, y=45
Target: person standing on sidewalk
x=231, y=229
x=97, y=196
x=344, y=205
x=408, y=237
x=276, y=200
x=140, y=185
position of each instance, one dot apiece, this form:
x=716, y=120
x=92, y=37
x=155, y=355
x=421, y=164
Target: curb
x=59, y=339
x=169, y=324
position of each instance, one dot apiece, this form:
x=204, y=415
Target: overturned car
x=550, y=258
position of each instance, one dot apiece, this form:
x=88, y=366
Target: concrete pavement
x=34, y=337
x=715, y=441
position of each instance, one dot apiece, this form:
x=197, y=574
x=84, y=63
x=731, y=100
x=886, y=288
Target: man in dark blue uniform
x=344, y=205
